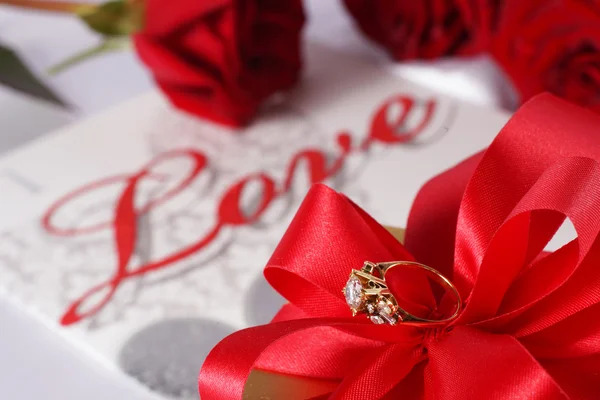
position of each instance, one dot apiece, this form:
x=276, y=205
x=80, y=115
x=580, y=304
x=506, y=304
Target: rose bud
x=424, y=29
x=220, y=59
x=551, y=46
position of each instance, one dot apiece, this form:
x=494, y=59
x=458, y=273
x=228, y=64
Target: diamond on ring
x=367, y=294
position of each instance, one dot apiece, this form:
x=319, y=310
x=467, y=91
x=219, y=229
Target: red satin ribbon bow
x=530, y=328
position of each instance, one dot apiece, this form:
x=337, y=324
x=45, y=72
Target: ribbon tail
x=575, y=336
x=314, y=349
x=575, y=295
x=380, y=374
x=577, y=376
x=496, y=366
x=227, y=367
x=570, y=352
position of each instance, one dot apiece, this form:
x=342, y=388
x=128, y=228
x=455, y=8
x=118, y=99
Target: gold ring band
x=366, y=292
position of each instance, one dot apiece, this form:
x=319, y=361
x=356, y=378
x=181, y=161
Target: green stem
x=108, y=45
x=55, y=6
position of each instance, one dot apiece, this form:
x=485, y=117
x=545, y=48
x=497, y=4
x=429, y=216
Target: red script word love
x=384, y=129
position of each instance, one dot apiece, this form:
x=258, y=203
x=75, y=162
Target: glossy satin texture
x=530, y=328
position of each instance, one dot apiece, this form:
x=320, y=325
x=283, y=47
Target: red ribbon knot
x=435, y=333
x=530, y=329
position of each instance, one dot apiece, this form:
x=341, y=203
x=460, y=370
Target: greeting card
x=142, y=233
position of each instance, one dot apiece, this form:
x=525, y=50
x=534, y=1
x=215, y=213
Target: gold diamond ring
x=366, y=292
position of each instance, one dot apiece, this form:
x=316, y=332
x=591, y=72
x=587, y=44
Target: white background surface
x=34, y=362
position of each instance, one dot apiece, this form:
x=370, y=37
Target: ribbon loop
x=325, y=241
x=500, y=368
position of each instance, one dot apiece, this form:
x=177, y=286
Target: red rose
x=221, y=58
x=551, y=45
x=410, y=29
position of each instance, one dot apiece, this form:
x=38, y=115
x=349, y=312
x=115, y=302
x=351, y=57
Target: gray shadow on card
x=262, y=302
x=167, y=356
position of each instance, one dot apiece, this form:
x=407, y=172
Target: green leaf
x=15, y=74
x=115, y=18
